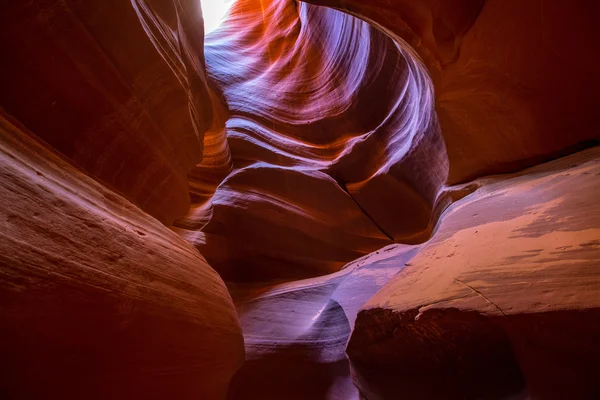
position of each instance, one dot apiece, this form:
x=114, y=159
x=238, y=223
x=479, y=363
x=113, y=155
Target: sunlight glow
x=214, y=11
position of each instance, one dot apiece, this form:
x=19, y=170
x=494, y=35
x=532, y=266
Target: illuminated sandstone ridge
x=296, y=333
x=332, y=148
x=100, y=300
x=515, y=81
x=332, y=144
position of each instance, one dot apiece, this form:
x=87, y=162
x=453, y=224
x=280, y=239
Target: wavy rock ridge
x=340, y=154
x=323, y=103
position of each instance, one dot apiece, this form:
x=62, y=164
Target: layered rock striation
x=511, y=78
x=98, y=299
x=332, y=143
x=85, y=77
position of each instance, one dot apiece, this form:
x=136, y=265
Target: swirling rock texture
x=98, y=299
x=332, y=142
x=293, y=140
x=325, y=104
x=515, y=81
x=283, y=108
x=501, y=303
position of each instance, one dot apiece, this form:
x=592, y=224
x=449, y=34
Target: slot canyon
x=284, y=199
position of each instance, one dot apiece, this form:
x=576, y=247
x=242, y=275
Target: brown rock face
x=504, y=299
x=85, y=77
x=99, y=300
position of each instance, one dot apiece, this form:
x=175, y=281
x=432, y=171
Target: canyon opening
x=214, y=12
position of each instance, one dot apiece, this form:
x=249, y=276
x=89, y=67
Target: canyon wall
x=85, y=77
x=502, y=301
x=318, y=130
x=332, y=144
x=325, y=104
x=98, y=299
x=515, y=80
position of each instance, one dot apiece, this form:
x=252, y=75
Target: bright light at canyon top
x=214, y=12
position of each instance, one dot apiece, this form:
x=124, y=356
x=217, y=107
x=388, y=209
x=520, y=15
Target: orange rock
x=334, y=145
x=511, y=77
x=505, y=298
x=295, y=139
x=98, y=299
x=87, y=79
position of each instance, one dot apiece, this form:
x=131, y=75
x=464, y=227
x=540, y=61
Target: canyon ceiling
x=332, y=199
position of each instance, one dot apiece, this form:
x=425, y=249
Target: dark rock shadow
x=314, y=366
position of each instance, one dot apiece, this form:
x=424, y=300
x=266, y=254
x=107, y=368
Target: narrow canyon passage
x=282, y=199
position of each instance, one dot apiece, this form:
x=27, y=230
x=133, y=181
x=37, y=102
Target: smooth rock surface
x=87, y=78
x=296, y=332
x=331, y=116
x=511, y=77
x=311, y=124
x=98, y=300
x=332, y=148
x=504, y=300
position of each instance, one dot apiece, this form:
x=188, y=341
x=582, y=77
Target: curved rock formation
x=296, y=332
x=500, y=302
x=99, y=300
x=510, y=77
x=85, y=78
x=318, y=95
x=332, y=142
x=317, y=99
x=505, y=298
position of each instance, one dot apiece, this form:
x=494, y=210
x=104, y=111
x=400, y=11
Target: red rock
x=85, y=77
x=339, y=155
x=98, y=299
x=503, y=299
x=296, y=139
x=510, y=77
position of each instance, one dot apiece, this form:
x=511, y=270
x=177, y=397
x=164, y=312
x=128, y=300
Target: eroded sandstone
x=296, y=332
x=503, y=300
x=510, y=77
x=340, y=154
x=98, y=299
x=87, y=79
x=296, y=139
